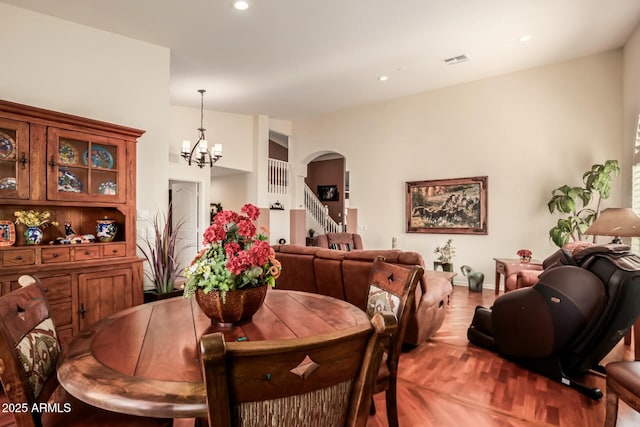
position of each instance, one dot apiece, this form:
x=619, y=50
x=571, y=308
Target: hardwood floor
x=448, y=382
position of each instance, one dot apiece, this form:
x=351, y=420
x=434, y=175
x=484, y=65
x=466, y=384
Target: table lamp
x=616, y=222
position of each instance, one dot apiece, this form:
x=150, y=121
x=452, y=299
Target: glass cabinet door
x=84, y=167
x=14, y=159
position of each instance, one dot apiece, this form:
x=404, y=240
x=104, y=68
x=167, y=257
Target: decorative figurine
x=475, y=278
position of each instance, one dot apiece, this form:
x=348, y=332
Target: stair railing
x=320, y=212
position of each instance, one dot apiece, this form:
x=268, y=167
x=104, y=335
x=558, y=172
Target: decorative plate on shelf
x=100, y=157
x=68, y=182
x=8, y=183
x=108, y=187
x=7, y=146
x=7, y=233
x=67, y=154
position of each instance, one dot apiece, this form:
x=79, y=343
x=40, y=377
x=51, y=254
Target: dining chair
x=392, y=288
x=319, y=381
x=623, y=383
x=29, y=352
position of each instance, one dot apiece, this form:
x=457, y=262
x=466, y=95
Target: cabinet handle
x=52, y=163
x=23, y=160
x=56, y=255
x=87, y=252
x=19, y=257
x=45, y=289
x=82, y=310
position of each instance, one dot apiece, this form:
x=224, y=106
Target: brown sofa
x=345, y=275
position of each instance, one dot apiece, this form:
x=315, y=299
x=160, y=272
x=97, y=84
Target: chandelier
x=200, y=153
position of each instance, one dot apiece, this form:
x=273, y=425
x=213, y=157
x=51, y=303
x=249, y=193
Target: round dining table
x=145, y=360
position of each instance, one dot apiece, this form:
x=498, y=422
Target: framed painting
x=328, y=193
x=7, y=233
x=447, y=206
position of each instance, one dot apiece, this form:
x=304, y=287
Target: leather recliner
x=581, y=306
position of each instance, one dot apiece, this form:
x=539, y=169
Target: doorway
x=184, y=199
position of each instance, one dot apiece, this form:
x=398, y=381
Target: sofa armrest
x=434, y=287
x=527, y=278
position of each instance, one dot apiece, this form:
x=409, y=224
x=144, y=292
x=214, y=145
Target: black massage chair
x=561, y=327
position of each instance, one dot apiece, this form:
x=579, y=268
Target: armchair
x=522, y=276
x=341, y=241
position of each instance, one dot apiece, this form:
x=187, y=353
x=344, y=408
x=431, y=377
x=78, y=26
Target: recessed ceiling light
x=525, y=38
x=241, y=5
x=383, y=78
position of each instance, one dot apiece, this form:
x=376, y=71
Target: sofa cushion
x=390, y=255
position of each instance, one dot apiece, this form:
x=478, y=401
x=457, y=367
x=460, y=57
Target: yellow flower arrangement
x=32, y=218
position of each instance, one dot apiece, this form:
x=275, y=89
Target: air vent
x=456, y=59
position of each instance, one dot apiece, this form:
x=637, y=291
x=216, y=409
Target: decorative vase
x=33, y=235
x=106, y=230
x=239, y=306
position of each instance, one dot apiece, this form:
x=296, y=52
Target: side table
x=508, y=266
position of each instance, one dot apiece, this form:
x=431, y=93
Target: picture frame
x=328, y=193
x=214, y=209
x=7, y=233
x=447, y=206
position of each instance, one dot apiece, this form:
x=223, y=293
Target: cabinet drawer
x=57, y=287
x=19, y=257
x=88, y=252
x=50, y=255
x=61, y=313
x=114, y=250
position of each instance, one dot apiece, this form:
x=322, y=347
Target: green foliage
x=446, y=252
x=574, y=201
x=161, y=253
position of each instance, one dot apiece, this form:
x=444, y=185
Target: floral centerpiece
x=235, y=257
x=525, y=255
x=35, y=221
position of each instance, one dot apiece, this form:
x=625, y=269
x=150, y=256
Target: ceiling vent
x=456, y=59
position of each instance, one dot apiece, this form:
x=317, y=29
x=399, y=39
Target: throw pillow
x=347, y=247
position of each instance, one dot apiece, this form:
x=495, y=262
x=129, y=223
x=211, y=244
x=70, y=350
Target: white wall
x=230, y=190
x=529, y=131
x=62, y=66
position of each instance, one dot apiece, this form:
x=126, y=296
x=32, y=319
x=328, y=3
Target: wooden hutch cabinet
x=81, y=170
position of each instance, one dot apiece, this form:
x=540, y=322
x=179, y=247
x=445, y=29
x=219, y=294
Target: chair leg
x=392, y=409
x=611, y=417
x=372, y=409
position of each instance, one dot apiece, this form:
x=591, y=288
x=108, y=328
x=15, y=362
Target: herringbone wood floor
x=448, y=382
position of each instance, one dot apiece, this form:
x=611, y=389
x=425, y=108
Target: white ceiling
x=296, y=58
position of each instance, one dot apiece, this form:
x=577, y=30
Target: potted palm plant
x=162, y=255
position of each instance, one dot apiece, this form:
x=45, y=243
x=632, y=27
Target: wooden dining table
x=145, y=360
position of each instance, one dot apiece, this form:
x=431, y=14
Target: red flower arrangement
x=525, y=255
x=234, y=257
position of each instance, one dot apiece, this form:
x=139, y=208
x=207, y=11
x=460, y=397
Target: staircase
x=279, y=180
x=319, y=212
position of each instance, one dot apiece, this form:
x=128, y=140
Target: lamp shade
x=620, y=222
